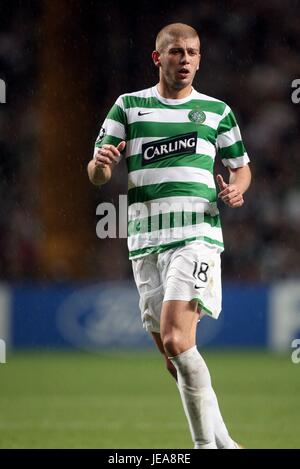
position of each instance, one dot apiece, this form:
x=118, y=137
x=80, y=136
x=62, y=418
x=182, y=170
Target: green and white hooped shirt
x=170, y=149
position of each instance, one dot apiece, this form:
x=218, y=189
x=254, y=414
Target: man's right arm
x=105, y=159
x=109, y=145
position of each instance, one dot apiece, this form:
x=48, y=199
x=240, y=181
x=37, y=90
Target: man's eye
x=179, y=51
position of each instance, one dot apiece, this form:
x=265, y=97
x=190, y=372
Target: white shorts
x=189, y=272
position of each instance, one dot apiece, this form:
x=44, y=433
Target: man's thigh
x=149, y=284
x=178, y=324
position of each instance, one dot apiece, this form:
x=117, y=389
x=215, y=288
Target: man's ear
x=155, y=58
x=199, y=61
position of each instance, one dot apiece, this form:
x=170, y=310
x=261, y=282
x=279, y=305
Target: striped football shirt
x=171, y=146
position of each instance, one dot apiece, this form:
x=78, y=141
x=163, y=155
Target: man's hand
x=100, y=167
x=230, y=193
x=108, y=154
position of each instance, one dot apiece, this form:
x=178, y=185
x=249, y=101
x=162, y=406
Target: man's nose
x=185, y=57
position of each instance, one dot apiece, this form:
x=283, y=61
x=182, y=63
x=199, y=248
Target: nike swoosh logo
x=197, y=288
x=143, y=113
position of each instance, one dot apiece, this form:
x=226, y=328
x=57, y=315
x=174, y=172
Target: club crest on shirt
x=197, y=116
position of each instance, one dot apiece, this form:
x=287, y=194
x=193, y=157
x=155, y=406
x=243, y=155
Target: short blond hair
x=174, y=31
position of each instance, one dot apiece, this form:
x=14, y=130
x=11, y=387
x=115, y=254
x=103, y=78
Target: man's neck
x=170, y=93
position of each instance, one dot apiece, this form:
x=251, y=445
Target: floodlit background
x=80, y=371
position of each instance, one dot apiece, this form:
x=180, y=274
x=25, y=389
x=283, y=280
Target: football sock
x=201, y=407
x=223, y=439
x=194, y=385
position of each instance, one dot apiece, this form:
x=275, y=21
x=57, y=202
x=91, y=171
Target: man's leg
x=178, y=333
x=222, y=437
x=170, y=367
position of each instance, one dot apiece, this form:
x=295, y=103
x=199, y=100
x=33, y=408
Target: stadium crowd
x=249, y=59
x=18, y=134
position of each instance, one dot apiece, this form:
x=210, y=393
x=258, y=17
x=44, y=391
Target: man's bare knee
x=173, y=344
x=178, y=326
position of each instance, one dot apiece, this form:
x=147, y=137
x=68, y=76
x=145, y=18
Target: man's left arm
x=235, y=158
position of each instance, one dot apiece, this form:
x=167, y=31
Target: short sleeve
x=229, y=141
x=113, y=129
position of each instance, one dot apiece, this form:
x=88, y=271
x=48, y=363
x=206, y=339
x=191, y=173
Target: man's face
x=178, y=61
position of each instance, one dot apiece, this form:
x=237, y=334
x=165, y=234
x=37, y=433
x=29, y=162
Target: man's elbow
x=248, y=171
x=247, y=176
x=90, y=170
x=243, y=170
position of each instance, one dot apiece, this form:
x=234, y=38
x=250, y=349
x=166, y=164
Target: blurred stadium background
x=80, y=371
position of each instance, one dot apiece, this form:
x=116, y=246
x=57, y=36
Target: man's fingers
x=102, y=161
x=107, y=152
x=221, y=183
x=116, y=150
x=121, y=146
x=229, y=189
x=110, y=150
x=237, y=204
x=235, y=200
x=231, y=195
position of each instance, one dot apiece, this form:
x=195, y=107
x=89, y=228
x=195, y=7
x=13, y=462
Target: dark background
x=65, y=63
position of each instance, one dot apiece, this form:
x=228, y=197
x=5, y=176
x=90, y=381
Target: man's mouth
x=183, y=72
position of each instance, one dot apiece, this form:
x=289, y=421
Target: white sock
x=195, y=389
x=223, y=439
